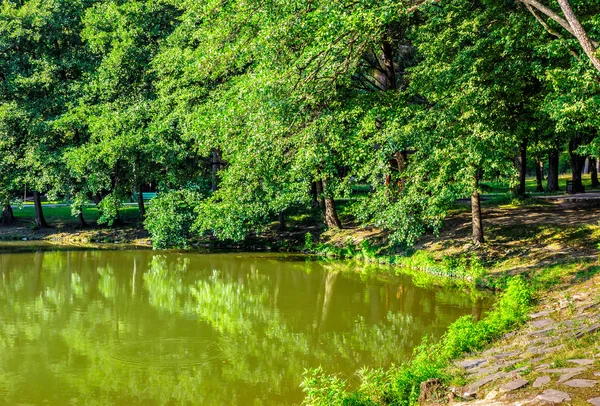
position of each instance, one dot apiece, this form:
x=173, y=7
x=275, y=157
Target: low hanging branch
x=571, y=24
x=579, y=32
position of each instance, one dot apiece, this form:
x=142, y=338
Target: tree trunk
x=8, y=216
x=521, y=163
x=97, y=198
x=40, y=221
x=215, y=166
x=539, y=175
x=331, y=217
x=281, y=226
x=577, y=162
x=320, y=198
x=140, y=202
x=594, y=172
x=552, y=184
x=82, y=222
x=476, y=214
x=388, y=65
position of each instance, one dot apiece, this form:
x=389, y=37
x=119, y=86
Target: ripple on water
x=166, y=352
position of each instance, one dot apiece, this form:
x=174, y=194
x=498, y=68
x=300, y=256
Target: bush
x=170, y=218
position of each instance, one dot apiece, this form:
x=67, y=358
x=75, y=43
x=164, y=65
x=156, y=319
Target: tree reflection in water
x=137, y=327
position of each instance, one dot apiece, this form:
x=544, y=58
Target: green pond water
x=118, y=327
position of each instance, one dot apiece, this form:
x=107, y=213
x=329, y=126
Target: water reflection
x=136, y=327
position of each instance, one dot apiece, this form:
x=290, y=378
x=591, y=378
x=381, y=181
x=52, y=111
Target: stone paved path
x=554, y=359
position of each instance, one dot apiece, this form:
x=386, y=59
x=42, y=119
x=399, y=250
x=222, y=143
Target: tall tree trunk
x=40, y=221
x=521, y=163
x=331, y=217
x=539, y=175
x=320, y=197
x=281, y=226
x=140, y=202
x=314, y=194
x=577, y=162
x=594, y=172
x=552, y=184
x=476, y=213
x=8, y=216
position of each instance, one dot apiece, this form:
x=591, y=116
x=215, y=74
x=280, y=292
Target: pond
x=137, y=327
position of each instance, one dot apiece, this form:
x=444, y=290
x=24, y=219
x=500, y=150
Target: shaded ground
x=524, y=237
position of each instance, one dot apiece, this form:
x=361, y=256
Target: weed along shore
x=539, y=342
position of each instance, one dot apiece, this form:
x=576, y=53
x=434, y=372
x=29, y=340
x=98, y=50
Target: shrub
x=170, y=218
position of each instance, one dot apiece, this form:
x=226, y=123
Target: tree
x=118, y=154
x=42, y=59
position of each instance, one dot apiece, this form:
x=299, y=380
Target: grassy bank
x=538, y=256
x=402, y=384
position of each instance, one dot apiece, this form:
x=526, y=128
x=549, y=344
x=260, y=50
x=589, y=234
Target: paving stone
x=507, y=354
x=536, y=360
x=481, y=371
x=541, y=332
x=472, y=389
x=542, y=366
x=596, y=373
x=594, y=401
x=566, y=377
x=545, y=350
x=581, y=383
x=542, y=323
x=541, y=381
x=509, y=363
x=514, y=385
x=540, y=314
x=581, y=361
x=586, y=306
x=472, y=363
x=562, y=370
x=542, y=340
x=554, y=396
x=588, y=330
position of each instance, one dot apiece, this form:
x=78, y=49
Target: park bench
x=147, y=196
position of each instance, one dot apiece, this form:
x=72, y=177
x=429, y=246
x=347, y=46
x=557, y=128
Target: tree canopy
x=240, y=111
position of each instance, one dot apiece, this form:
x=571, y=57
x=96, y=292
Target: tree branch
x=549, y=29
x=550, y=13
x=579, y=33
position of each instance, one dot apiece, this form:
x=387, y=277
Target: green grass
x=62, y=214
x=531, y=185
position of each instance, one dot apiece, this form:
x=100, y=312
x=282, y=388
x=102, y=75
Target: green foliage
x=309, y=244
x=170, y=218
x=109, y=209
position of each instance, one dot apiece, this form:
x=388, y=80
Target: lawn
x=62, y=214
